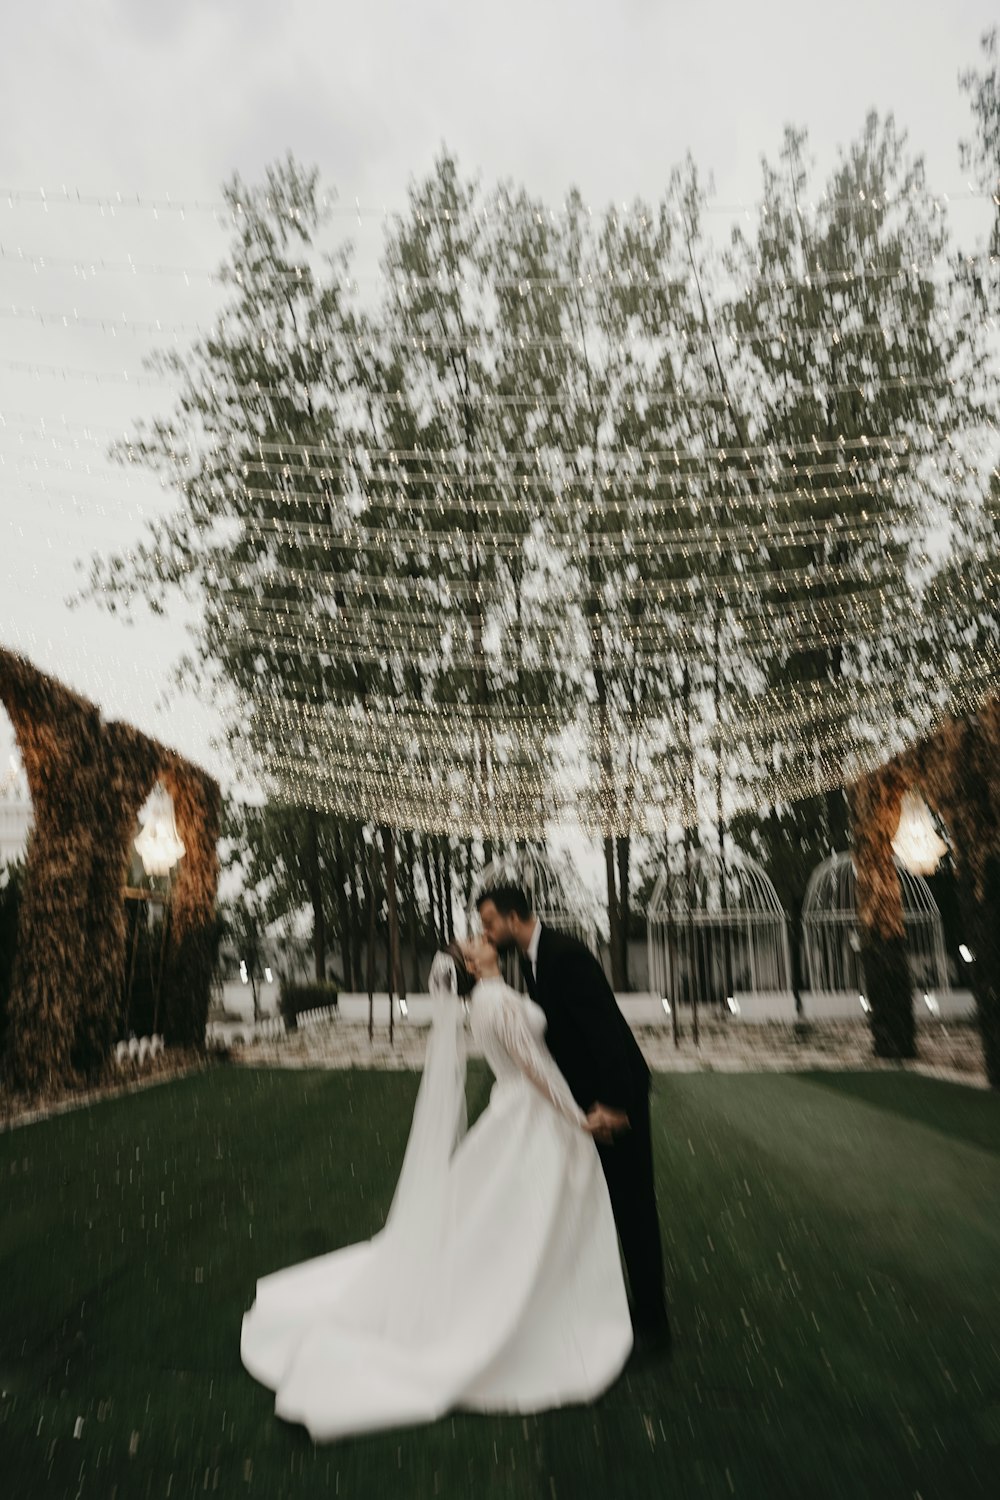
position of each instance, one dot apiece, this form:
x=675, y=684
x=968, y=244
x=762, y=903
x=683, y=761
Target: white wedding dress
x=496, y=1283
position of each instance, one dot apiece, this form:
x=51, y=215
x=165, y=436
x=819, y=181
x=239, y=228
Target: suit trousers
x=628, y=1169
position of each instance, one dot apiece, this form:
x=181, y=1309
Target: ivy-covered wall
x=88, y=780
x=957, y=771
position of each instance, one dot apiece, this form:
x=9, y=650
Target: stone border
x=952, y=1054
x=16, y=1110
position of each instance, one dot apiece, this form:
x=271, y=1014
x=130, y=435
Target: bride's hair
x=465, y=980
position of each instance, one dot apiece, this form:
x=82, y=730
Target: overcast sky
x=158, y=100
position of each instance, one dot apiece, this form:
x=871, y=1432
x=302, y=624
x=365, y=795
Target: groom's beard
x=506, y=945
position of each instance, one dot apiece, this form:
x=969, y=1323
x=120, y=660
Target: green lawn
x=833, y=1257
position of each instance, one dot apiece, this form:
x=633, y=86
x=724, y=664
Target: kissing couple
x=496, y=1283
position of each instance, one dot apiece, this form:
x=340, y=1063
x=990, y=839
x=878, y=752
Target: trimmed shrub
x=295, y=998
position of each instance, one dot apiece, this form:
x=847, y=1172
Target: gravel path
x=951, y=1051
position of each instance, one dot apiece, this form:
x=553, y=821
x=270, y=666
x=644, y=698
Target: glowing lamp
x=917, y=844
x=158, y=844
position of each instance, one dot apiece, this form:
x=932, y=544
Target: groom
x=600, y=1059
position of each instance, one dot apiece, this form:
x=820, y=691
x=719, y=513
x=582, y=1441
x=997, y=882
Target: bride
x=496, y=1283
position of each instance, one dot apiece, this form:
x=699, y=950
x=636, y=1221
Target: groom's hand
x=596, y=1127
x=604, y=1124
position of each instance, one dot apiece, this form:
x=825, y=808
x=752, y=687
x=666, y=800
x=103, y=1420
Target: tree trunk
x=614, y=913
x=694, y=977
x=720, y=826
x=316, y=895
x=346, y=936
x=354, y=899
x=439, y=875
x=449, y=910
x=395, y=974
x=370, y=963
x=675, y=985
x=412, y=914
x=624, y=862
x=469, y=880
x=795, y=954
x=688, y=894
x=425, y=856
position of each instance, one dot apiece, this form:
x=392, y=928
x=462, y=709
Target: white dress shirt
x=532, y=954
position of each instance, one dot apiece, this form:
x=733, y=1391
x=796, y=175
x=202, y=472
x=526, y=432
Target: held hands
x=604, y=1124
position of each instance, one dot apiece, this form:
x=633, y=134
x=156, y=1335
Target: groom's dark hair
x=507, y=898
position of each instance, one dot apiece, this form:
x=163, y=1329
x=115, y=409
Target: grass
x=833, y=1248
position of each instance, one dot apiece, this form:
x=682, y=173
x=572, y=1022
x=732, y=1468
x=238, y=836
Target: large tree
x=253, y=453
x=853, y=373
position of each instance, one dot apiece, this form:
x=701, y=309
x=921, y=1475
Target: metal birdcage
x=557, y=895
x=831, y=935
x=716, y=930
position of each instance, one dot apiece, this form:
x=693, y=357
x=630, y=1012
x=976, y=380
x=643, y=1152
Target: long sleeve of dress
x=519, y=1040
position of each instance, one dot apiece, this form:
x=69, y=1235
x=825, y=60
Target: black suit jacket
x=587, y=1034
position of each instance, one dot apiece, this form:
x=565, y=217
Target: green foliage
x=273, y=371
x=668, y=503
x=295, y=998
x=982, y=154
x=865, y=364
x=567, y=357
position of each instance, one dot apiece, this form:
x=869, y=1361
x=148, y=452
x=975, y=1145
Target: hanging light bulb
x=917, y=844
x=158, y=844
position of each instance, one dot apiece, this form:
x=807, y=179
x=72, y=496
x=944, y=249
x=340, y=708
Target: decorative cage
x=557, y=895
x=832, y=939
x=716, y=930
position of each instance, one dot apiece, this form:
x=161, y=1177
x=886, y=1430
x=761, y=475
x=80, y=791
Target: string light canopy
x=466, y=611
x=345, y=609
